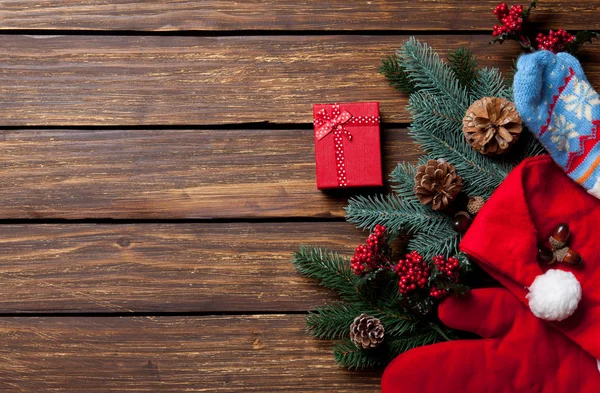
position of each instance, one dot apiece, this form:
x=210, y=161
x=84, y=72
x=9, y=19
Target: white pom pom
x=554, y=295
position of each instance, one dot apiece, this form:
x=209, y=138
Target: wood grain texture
x=228, y=267
x=171, y=173
x=132, y=80
x=259, y=353
x=218, y=15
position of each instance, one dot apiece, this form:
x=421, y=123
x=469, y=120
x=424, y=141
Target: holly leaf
x=581, y=38
x=585, y=36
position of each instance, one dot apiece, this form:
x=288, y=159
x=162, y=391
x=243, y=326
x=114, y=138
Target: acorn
x=545, y=255
x=569, y=256
x=560, y=236
x=475, y=204
x=462, y=221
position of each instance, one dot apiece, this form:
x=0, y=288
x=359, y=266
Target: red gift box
x=347, y=146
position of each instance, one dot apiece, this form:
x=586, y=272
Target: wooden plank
x=239, y=267
x=170, y=173
x=258, y=353
x=216, y=15
x=132, y=80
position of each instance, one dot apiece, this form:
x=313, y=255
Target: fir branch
x=480, y=178
x=403, y=182
x=463, y=64
x=437, y=113
x=491, y=84
x=509, y=77
x=443, y=242
x=393, y=70
x=388, y=210
x=329, y=269
x=430, y=74
x=437, y=128
x=347, y=355
x=397, y=324
x=333, y=321
x=403, y=344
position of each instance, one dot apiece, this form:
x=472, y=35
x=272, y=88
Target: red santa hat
x=520, y=215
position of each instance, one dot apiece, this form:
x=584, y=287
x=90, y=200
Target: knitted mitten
x=558, y=105
x=519, y=353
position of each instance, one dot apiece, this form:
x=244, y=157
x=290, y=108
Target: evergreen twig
x=429, y=73
x=329, y=269
x=332, y=321
x=463, y=64
x=368, y=211
x=347, y=355
x=394, y=71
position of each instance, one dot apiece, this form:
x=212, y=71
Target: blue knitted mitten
x=557, y=104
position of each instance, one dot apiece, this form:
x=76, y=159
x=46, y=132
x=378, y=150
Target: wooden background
x=157, y=171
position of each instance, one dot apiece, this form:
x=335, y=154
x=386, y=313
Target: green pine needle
x=332, y=322
x=430, y=74
x=329, y=269
x=463, y=64
x=347, y=355
x=388, y=210
x=393, y=70
x=491, y=84
x=400, y=345
x=443, y=242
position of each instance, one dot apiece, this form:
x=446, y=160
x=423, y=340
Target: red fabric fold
x=522, y=213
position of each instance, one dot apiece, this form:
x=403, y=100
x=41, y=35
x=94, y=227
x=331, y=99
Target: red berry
x=450, y=267
x=438, y=293
x=501, y=10
x=555, y=41
x=413, y=273
x=511, y=19
x=371, y=256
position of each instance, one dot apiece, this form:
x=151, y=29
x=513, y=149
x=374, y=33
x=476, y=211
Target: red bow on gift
x=325, y=123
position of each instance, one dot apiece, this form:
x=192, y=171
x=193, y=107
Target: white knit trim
x=598, y=364
x=595, y=191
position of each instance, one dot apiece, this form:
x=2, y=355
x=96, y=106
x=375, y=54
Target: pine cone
x=437, y=183
x=492, y=125
x=366, y=331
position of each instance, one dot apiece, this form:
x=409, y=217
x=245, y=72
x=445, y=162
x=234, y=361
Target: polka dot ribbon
x=324, y=124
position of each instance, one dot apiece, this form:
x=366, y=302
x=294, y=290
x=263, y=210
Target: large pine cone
x=437, y=183
x=492, y=125
x=366, y=331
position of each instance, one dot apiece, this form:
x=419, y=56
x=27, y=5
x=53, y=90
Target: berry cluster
x=555, y=41
x=449, y=267
x=514, y=27
x=371, y=255
x=438, y=293
x=413, y=273
x=512, y=19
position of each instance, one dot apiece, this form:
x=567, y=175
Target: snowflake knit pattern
x=558, y=104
